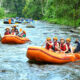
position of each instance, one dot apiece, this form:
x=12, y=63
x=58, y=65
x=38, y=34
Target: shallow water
x=15, y=66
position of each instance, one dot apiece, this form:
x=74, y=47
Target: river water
x=15, y=66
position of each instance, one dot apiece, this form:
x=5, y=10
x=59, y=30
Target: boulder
x=30, y=26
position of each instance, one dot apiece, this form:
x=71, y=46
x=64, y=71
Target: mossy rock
x=30, y=26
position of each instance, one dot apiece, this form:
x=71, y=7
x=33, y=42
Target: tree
x=2, y=13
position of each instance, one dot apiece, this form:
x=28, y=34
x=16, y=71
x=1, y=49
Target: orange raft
x=42, y=55
x=12, y=39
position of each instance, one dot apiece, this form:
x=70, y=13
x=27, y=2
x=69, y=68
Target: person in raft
x=55, y=44
x=23, y=34
x=48, y=43
x=13, y=31
x=63, y=46
x=17, y=32
x=15, y=27
x=77, y=49
x=68, y=40
x=7, y=32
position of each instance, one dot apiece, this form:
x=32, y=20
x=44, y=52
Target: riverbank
x=8, y=16
x=63, y=21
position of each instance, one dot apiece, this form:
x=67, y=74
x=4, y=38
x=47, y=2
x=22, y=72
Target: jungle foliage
x=66, y=12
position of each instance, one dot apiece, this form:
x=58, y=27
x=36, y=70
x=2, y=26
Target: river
x=15, y=66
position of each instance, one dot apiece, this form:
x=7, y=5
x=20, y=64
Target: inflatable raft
x=43, y=55
x=6, y=21
x=11, y=39
x=18, y=22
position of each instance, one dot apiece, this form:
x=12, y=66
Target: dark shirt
x=77, y=48
x=17, y=33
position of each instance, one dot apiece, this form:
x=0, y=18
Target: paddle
x=9, y=21
x=20, y=29
x=0, y=37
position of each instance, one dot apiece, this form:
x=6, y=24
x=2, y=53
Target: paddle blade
x=20, y=29
x=9, y=21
